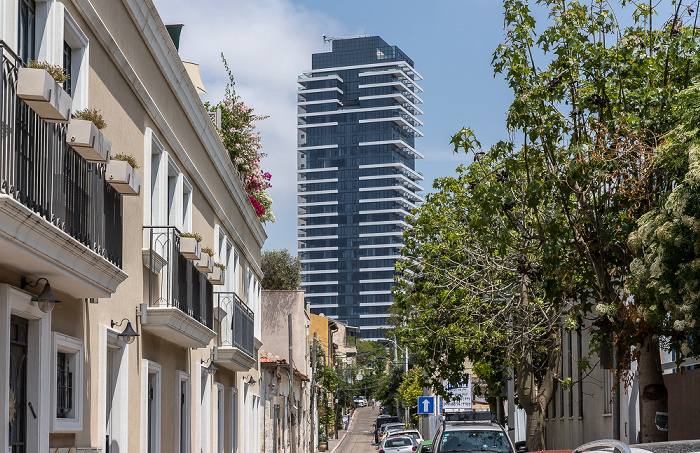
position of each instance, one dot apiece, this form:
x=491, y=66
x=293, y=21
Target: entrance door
x=18, y=385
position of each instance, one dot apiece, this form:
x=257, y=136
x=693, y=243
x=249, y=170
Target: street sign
x=461, y=394
x=426, y=404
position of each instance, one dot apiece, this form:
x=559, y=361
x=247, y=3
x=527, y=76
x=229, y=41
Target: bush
x=127, y=158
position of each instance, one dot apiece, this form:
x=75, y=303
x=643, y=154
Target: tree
x=590, y=119
x=411, y=388
x=479, y=284
x=281, y=270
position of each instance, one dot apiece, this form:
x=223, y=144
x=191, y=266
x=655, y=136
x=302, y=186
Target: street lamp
x=46, y=300
x=128, y=335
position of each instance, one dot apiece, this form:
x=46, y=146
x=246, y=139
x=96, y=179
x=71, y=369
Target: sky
x=268, y=43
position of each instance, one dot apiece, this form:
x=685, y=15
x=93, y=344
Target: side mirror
x=521, y=447
x=425, y=449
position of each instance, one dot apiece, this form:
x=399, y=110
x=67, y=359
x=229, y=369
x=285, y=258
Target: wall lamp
x=250, y=380
x=128, y=335
x=46, y=300
x=211, y=369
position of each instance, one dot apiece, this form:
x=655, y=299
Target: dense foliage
x=578, y=205
x=281, y=270
x=238, y=135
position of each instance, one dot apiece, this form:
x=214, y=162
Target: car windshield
x=461, y=441
x=398, y=442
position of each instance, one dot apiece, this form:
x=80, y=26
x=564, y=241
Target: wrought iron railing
x=178, y=284
x=40, y=170
x=241, y=320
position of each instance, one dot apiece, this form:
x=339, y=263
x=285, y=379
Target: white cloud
x=267, y=44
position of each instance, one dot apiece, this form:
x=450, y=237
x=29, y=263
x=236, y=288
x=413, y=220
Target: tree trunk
x=653, y=393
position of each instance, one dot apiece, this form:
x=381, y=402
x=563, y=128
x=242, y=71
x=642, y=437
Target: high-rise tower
x=357, y=121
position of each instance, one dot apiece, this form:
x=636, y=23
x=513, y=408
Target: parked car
x=384, y=429
x=467, y=436
x=382, y=420
x=398, y=444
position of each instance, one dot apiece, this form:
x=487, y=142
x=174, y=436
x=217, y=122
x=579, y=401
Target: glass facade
x=357, y=125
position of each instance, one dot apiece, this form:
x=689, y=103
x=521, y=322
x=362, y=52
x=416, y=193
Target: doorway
x=18, y=385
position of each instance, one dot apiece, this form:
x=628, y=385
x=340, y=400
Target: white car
x=398, y=444
x=361, y=401
x=406, y=432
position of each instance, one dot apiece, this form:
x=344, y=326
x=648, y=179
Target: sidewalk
x=334, y=443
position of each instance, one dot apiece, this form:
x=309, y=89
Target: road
x=359, y=437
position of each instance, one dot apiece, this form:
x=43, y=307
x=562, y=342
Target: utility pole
x=314, y=431
x=396, y=363
x=405, y=355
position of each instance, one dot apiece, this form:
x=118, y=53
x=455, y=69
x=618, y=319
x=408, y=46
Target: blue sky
x=269, y=42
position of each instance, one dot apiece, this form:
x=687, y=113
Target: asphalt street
x=359, y=437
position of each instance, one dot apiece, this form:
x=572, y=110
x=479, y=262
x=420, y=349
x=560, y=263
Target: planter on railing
x=123, y=177
x=205, y=264
x=190, y=248
x=217, y=276
x=44, y=95
x=88, y=141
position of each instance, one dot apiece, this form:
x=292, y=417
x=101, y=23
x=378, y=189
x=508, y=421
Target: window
x=607, y=391
x=26, y=30
x=579, y=354
x=170, y=200
x=68, y=67
x=75, y=59
x=67, y=397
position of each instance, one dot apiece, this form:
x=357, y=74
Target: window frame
x=74, y=350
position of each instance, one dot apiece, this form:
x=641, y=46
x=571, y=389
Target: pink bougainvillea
x=244, y=145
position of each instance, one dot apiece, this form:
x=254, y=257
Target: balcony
x=180, y=298
x=235, y=341
x=59, y=218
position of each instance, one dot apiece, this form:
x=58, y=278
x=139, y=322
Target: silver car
x=398, y=444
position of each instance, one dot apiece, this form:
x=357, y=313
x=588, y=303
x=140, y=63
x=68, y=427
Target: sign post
x=426, y=405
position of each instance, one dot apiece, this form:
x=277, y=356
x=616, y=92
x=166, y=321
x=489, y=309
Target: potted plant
x=205, y=264
x=39, y=86
x=189, y=246
x=84, y=136
x=218, y=275
x=322, y=442
x=121, y=174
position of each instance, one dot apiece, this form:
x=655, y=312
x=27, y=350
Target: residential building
x=286, y=390
x=122, y=360
x=357, y=181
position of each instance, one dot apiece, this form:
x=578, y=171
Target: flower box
x=205, y=264
x=43, y=95
x=190, y=249
x=87, y=140
x=123, y=177
x=218, y=276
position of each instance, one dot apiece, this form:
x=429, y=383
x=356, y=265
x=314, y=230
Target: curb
x=340, y=442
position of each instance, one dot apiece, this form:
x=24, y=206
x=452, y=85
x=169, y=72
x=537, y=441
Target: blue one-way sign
x=426, y=404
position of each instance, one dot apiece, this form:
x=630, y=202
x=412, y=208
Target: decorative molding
x=155, y=37
x=234, y=359
x=68, y=264
x=175, y=326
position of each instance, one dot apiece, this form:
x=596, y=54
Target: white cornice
x=154, y=34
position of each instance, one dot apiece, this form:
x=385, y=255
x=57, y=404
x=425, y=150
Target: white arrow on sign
x=426, y=405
